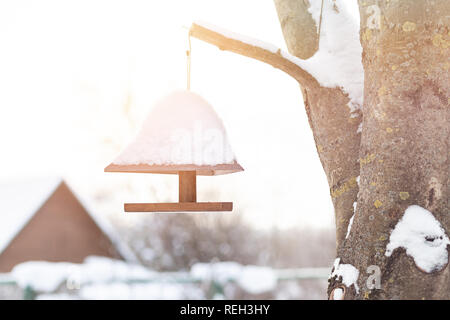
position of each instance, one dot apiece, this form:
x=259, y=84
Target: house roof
x=22, y=199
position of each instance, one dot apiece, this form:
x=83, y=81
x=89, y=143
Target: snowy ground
x=103, y=278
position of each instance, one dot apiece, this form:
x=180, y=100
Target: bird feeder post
x=187, y=186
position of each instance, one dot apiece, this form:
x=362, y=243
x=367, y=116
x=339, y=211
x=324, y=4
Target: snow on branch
x=337, y=63
x=252, y=48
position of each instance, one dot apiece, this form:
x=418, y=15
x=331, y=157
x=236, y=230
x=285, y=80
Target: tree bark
x=404, y=155
x=298, y=27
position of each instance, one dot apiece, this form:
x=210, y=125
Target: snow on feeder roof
x=182, y=135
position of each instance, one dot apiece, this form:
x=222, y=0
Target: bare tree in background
x=387, y=155
x=176, y=242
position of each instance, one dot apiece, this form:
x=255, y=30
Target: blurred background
x=77, y=79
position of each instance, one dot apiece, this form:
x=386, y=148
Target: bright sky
x=67, y=69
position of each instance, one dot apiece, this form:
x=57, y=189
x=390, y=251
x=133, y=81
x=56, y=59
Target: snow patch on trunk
x=338, y=63
x=359, y=130
x=338, y=294
x=347, y=272
x=423, y=237
x=350, y=223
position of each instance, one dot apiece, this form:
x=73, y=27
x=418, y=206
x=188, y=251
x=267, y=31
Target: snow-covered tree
x=376, y=90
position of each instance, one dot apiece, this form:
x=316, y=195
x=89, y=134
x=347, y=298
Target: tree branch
x=299, y=28
x=278, y=59
x=334, y=129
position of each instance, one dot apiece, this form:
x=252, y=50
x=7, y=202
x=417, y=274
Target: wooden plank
x=187, y=186
x=174, y=169
x=179, y=207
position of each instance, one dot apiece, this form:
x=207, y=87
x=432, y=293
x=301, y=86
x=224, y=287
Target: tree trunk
x=397, y=245
x=402, y=156
x=404, y=148
x=298, y=27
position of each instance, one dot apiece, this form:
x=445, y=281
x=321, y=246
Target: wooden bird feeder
x=187, y=108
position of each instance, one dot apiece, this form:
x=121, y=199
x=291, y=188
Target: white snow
x=314, y=9
x=350, y=223
x=100, y=278
x=48, y=276
x=349, y=227
x=221, y=272
x=423, y=237
x=348, y=273
x=124, y=291
x=337, y=63
x=20, y=200
x=60, y=296
x=41, y=275
x=253, y=279
x=243, y=38
x=360, y=127
x=141, y=291
x=102, y=269
x=338, y=294
x=182, y=128
x=256, y=280
x=104, y=278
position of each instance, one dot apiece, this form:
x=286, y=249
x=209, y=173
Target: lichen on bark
x=402, y=156
x=406, y=89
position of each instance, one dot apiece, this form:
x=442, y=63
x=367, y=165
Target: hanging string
x=188, y=55
x=320, y=23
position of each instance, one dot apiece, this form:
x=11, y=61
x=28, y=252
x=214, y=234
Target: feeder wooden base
x=179, y=207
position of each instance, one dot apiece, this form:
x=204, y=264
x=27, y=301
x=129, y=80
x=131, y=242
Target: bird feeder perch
x=182, y=135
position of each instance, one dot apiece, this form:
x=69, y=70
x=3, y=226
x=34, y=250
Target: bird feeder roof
x=181, y=133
